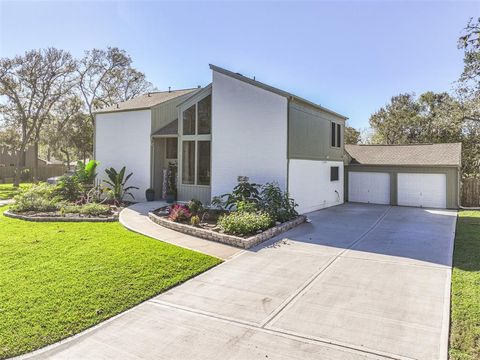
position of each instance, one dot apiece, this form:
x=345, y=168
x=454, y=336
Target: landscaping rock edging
x=228, y=239
x=58, y=218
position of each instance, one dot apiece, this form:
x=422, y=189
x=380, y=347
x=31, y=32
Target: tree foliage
x=32, y=84
x=49, y=98
x=352, y=135
x=106, y=77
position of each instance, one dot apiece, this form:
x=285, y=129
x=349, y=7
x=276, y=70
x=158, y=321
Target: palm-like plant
x=86, y=172
x=117, y=183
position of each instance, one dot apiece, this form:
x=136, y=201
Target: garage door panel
x=369, y=187
x=422, y=190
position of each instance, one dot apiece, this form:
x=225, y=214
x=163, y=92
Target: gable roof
x=273, y=90
x=416, y=154
x=146, y=101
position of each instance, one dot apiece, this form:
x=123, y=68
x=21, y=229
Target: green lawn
x=57, y=279
x=7, y=191
x=465, y=316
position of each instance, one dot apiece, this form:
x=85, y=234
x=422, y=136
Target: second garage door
x=369, y=187
x=424, y=190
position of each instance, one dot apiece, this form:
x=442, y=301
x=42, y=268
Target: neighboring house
x=236, y=126
x=9, y=158
x=424, y=175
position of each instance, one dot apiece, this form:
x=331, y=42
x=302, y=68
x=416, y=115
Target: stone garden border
x=237, y=241
x=12, y=215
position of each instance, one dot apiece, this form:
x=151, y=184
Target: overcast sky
x=347, y=56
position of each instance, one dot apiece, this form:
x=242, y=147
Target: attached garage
x=425, y=175
x=422, y=190
x=369, y=187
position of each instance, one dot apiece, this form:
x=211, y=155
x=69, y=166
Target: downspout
x=288, y=142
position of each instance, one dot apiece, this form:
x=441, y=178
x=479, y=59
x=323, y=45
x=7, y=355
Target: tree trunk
x=67, y=154
x=35, y=162
x=18, y=165
x=49, y=154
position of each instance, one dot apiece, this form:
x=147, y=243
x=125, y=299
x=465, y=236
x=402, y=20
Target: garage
x=369, y=187
x=420, y=175
x=422, y=190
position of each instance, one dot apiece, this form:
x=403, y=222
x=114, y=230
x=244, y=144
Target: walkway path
x=135, y=218
x=6, y=202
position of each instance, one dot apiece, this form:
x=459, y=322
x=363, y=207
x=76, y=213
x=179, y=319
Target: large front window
x=196, y=143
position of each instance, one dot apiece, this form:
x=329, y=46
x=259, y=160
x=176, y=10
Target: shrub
x=244, y=191
x=179, y=213
x=69, y=188
x=93, y=209
x=195, y=206
x=277, y=203
x=116, y=184
x=194, y=220
x=38, y=197
x=246, y=206
x=85, y=173
x=25, y=175
x=244, y=223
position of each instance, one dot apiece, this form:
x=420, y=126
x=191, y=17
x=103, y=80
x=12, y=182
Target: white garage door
x=425, y=190
x=369, y=187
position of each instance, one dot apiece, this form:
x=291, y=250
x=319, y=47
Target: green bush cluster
x=91, y=209
x=244, y=223
x=254, y=207
x=40, y=198
x=44, y=197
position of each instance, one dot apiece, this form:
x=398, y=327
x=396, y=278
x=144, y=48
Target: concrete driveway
x=358, y=282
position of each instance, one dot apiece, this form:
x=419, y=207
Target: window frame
x=336, y=135
x=332, y=173
x=195, y=138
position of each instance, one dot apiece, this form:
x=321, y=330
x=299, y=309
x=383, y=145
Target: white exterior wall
x=309, y=184
x=123, y=139
x=249, y=134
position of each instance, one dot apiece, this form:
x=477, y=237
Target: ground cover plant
x=8, y=191
x=54, y=283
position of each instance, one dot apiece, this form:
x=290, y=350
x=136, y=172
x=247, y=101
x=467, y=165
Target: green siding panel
x=309, y=134
x=450, y=172
x=166, y=112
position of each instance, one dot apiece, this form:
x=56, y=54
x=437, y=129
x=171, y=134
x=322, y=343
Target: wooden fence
x=7, y=173
x=470, y=194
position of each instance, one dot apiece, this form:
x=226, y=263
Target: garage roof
x=145, y=101
x=416, y=154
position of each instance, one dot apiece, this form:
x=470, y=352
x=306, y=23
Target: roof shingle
x=145, y=101
x=417, y=155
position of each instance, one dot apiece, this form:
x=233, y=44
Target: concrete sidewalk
x=135, y=218
x=358, y=282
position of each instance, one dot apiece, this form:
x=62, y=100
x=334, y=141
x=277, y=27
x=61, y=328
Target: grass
x=57, y=279
x=8, y=191
x=465, y=312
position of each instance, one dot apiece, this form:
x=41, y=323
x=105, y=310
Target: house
x=423, y=175
x=234, y=127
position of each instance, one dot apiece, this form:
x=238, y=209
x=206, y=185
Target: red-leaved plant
x=179, y=213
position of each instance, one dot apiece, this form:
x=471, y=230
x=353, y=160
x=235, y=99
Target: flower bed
x=249, y=215
x=56, y=217
x=74, y=198
x=209, y=231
